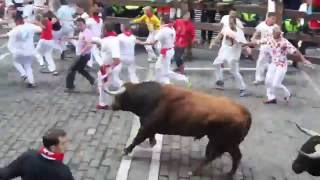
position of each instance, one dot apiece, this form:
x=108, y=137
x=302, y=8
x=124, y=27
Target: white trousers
x=129, y=64
x=163, y=72
x=263, y=61
x=149, y=48
x=274, y=78
x=23, y=64
x=235, y=71
x=113, y=80
x=44, y=48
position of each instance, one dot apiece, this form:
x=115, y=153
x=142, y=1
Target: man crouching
x=45, y=164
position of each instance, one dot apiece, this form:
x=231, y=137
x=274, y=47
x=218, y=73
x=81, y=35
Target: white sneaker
x=257, y=82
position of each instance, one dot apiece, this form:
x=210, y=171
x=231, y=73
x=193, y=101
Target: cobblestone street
x=97, y=138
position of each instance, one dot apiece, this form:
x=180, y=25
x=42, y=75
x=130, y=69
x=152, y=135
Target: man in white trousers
x=108, y=74
x=21, y=47
x=264, y=30
x=127, y=52
x=95, y=23
x=232, y=40
x=166, y=37
x=278, y=48
x=65, y=15
x=153, y=24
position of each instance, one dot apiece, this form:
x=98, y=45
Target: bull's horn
x=315, y=155
x=113, y=93
x=307, y=131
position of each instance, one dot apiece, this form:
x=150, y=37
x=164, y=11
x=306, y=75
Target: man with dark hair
x=84, y=51
x=45, y=164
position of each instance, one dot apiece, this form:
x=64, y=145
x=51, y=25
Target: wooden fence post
x=279, y=11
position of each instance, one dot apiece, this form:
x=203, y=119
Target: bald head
x=277, y=32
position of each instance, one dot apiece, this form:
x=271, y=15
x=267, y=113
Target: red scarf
x=96, y=18
x=127, y=33
x=50, y=155
x=110, y=34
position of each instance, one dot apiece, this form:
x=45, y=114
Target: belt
x=163, y=51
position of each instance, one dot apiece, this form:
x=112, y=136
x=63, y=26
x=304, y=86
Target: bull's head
x=121, y=97
x=309, y=154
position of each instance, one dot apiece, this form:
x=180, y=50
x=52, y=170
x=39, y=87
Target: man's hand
x=116, y=61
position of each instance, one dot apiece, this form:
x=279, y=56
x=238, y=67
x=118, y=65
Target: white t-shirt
x=95, y=27
x=166, y=36
x=21, y=39
x=265, y=31
x=127, y=45
x=110, y=48
x=303, y=8
x=225, y=21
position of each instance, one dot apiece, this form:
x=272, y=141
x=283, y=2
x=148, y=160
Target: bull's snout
x=297, y=167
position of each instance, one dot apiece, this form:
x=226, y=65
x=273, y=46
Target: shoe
x=30, y=85
x=106, y=107
x=288, y=98
x=152, y=60
x=272, y=101
x=257, y=82
x=219, y=84
x=55, y=73
x=24, y=78
x=244, y=93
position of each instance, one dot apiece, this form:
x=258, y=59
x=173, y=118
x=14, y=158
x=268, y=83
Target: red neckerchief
x=96, y=18
x=110, y=34
x=51, y=155
x=127, y=33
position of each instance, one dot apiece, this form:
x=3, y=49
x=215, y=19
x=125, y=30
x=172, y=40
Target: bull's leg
x=141, y=136
x=212, y=152
x=236, y=157
x=152, y=140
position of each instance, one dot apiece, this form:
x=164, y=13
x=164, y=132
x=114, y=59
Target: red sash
x=163, y=51
x=104, y=69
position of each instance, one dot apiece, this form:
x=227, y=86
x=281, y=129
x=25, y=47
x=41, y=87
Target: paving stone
x=95, y=163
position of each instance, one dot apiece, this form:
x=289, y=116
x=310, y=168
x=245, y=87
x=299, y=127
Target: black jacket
x=32, y=166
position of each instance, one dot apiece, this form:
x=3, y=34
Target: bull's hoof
x=152, y=142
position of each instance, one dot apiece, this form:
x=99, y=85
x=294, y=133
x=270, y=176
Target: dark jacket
x=32, y=166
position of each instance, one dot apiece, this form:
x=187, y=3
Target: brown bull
x=173, y=110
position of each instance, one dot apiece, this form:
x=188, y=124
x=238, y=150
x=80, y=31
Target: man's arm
x=14, y=169
x=255, y=35
x=140, y=42
x=139, y=20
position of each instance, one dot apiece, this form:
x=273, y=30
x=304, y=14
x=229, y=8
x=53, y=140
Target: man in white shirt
x=28, y=11
x=232, y=13
x=264, y=30
x=65, y=15
x=22, y=48
x=127, y=47
x=95, y=23
x=166, y=37
x=108, y=74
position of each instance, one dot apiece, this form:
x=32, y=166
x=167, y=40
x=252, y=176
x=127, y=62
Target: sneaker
x=219, y=84
x=31, y=85
x=288, y=98
x=257, y=82
x=152, y=60
x=244, y=93
x=272, y=101
x=24, y=78
x=106, y=107
x=55, y=73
